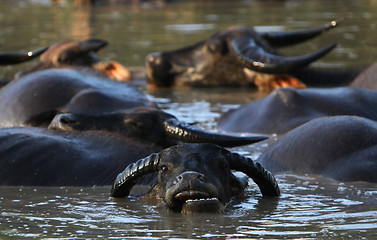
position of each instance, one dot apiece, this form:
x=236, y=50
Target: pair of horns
x=128, y=178
x=253, y=56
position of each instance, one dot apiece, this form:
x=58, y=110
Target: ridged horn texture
x=186, y=133
x=19, y=57
x=254, y=57
x=284, y=39
x=261, y=176
x=127, y=179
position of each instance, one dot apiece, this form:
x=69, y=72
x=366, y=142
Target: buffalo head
x=196, y=177
x=234, y=57
x=80, y=54
x=147, y=124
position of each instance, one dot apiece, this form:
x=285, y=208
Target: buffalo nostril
x=189, y=177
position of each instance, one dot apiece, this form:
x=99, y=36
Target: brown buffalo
x=237, y=56
x=79, y=55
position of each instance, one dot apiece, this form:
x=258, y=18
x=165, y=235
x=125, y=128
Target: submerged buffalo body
x=99, y=147
x=287, y=108
x=41, y=157
x=341, y=147
x=238, y=56
x=36, y=98
x=195, y=177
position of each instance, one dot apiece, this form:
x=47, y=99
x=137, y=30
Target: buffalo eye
x=63, y=59
x=163, y=168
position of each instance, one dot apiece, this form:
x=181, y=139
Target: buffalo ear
x=261, y=176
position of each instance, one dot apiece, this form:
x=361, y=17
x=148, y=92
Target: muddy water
x=310, y=206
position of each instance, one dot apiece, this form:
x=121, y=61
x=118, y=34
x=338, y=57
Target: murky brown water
x=310, y=206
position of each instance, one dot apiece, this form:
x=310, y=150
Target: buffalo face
x=196, y=177
x=197, y=180
x=234, y=57
x=194, y=65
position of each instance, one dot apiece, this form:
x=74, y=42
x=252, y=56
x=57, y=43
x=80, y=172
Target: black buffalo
x=100, y=147
x=196, y=177
x=237, y=56
x=341, y=147
x=34, y=99
x=287, y=108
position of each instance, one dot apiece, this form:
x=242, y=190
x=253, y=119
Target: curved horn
x=186, y=133
x=284, y=39
x=127, y=179
x=19, y=57
x=92, y=45
x=254, y=57
x=261, y=176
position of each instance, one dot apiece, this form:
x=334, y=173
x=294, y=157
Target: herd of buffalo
x=75, y=120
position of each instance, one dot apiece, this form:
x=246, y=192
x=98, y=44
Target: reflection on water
x=310, y=206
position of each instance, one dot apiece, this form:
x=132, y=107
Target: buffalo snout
x=189, y=177
x=189, y=193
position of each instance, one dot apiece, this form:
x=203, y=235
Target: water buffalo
x=149, y=124
x=79, y=55
x=98, y=149
x=34, y=99
x=10, y=58
x=195, y=177
x=287, y=108
x=341, y=147
x=237, y=56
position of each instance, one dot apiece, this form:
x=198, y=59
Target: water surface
x=310, y=206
